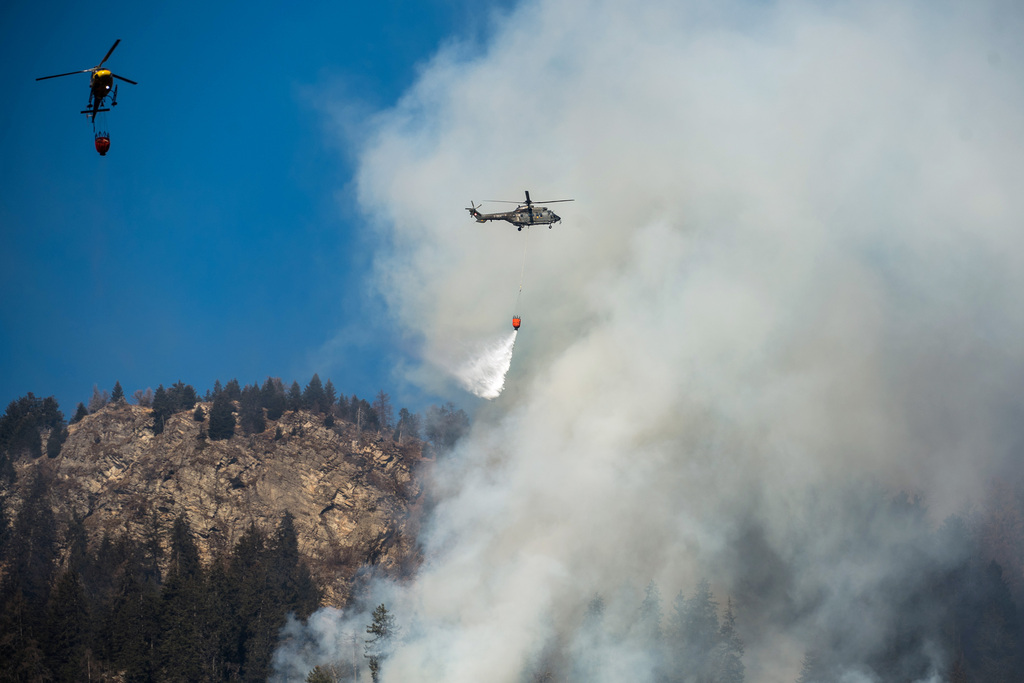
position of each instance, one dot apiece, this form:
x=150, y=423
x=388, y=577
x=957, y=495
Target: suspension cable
x=522, y=274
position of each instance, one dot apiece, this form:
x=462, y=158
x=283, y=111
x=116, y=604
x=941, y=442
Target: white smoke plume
x=793, y=266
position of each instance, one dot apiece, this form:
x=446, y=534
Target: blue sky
x=219, y=237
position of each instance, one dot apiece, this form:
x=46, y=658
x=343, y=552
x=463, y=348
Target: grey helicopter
x=524, y=215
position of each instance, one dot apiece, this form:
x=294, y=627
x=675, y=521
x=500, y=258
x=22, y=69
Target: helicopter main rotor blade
x=43, y=78
x=109, y=52
x=532, y=201
x=126, y=80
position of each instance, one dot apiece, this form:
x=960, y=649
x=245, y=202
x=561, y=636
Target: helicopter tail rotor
x=472, y=208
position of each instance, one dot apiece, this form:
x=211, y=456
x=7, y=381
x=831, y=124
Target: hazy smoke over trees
x=789, y=288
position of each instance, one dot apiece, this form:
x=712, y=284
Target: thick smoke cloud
x=794, y=265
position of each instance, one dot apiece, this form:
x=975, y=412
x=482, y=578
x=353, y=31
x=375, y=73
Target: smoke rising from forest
x=791, y=275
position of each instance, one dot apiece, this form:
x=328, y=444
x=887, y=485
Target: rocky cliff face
x=354, y=500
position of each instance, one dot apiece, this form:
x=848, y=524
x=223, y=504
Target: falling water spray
x=483, y=371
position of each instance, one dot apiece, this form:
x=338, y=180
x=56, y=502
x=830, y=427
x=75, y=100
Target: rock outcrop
x=354, y=498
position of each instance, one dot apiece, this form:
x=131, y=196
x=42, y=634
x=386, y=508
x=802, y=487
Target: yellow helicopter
x=99, y=84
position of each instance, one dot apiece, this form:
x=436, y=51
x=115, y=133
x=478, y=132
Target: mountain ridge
x=355, y=496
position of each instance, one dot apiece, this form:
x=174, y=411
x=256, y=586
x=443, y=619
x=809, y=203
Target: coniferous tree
x=291, y=576
x=22, y=424
x=321, y=674
x=273, y=398
x=5, y=532
x=222, y=418
x=184, y=560
x=445, y=426
x=330, y=395
x=76, y=542
x=729, y=665
x=163, y=408
x=181, y=397
x=250, y=411
x=117, y=396
x=134, y=624
x=30, y=563
x=591, y=643
x=997, y=640
x=49, y=413
x=295, y=402
x=99, y=573
x=183, y=614
x=384, y=631
x=700, y=624
x=648, y=624
x=198, y=415
x=97, y=569
x=813, y=669
x=314, y=397
x=80, y=412
x=222, y=631
x=7, y=473
x=233, y=390
x=67, y=637
x=366, y=416
x=675, y=638
x=408, y=426
x=647, y=632
x=21, y=656
x=257, y=615
x=270, y=582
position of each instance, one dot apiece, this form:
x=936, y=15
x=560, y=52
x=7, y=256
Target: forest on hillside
x=152, y=610
x=954, y=618
x=30, y=421
x=109, y=612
